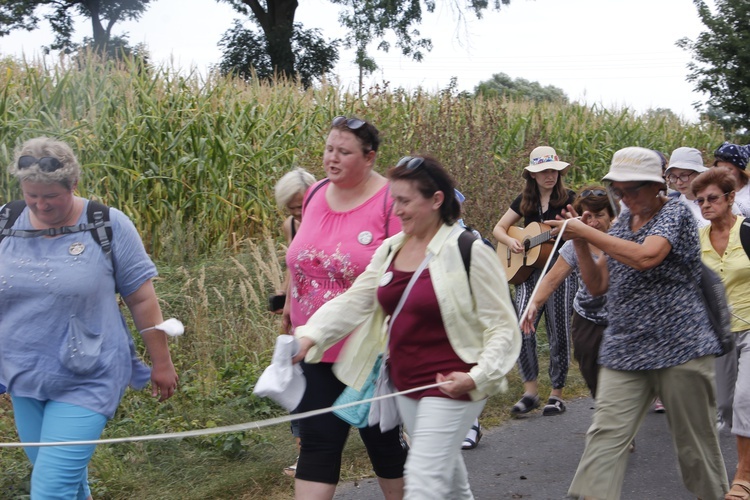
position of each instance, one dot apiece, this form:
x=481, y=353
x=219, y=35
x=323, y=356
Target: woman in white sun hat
x=544, y=197
x=651, y=259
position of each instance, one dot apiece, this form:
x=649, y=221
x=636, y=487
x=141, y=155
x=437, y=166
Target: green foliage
x=103, y=14
x=721, y=66
x=502, y=85
x=193, y=161
x=246, y=54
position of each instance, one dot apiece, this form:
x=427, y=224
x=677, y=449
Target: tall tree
x=366, y=20
x=103, y=14
x=246, y=53
x=721, y=66
x=519, y=88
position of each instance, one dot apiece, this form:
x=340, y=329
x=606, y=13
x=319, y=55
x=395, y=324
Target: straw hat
x=544, y=158
x=635, y=164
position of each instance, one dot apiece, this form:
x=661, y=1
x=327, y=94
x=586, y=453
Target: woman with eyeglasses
x=345, y=218
x=544, y=197
x=684, y=165
x=447, y=325
x=589, y=313
x=650, y=264
x=66, y=353
x=735, y=158
x=722, y=251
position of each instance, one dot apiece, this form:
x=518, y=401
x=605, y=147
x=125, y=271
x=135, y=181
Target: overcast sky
x=610, y=52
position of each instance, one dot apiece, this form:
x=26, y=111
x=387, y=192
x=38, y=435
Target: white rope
x=544, y=269
x=221, y=430
x=739, y=317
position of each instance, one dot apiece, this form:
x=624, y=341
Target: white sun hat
x=686, y=159
x=544, y=158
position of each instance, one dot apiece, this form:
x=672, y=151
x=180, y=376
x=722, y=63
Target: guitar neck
x=539, y=239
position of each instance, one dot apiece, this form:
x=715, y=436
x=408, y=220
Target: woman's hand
x=286, y=318
x=515, y=246
x=459, y=383
x=527, y=322
x=575, y=228
x=163, y=380
x=305, y=343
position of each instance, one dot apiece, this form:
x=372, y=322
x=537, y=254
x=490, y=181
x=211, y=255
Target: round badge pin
x=387, y=277
x=76, y=248
x=365, y=237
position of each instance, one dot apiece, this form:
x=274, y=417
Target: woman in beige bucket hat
x=544, y=197
x=652, y=258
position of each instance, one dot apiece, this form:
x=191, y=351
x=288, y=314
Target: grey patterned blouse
x=656, y=317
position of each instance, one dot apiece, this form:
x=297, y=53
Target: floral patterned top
x=656, y=317
x=332, y=248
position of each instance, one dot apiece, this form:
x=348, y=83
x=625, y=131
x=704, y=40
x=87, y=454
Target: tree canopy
x=502, y=85
x=366, y=21
x=721, y=59
x=104, y=14
x=245, y=52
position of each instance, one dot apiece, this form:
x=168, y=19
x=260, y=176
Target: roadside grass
x=229, y=340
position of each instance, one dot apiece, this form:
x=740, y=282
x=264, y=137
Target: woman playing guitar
x=544, y=197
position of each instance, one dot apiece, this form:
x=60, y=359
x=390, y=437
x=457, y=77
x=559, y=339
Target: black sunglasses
x=351, y=123
x=46, y=163
x=593, y=192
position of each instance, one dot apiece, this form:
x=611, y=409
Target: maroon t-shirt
x=419, y=345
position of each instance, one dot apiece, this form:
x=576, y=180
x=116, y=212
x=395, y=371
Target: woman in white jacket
x=455, y=325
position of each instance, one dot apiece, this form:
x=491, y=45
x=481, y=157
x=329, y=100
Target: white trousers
x=733, y=386
x=437, y=427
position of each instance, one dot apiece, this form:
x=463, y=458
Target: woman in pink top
x=346, y=217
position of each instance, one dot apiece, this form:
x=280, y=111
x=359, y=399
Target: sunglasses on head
x=411, y=162
x=351, y=123
x=46, y=163
x=593, y=192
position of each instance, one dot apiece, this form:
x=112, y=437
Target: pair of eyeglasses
x=619, y=194
x=351, y=123
x=682, y=178
x=46, y=163
x=593, y=192
x=711, y=199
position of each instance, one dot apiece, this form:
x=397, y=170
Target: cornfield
x=195, y=157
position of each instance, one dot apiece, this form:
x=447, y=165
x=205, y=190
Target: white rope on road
x=220, y=430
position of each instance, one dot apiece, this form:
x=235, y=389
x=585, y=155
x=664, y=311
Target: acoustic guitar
x=537, y=247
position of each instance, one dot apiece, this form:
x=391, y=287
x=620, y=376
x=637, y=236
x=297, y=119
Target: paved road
x=535, y=458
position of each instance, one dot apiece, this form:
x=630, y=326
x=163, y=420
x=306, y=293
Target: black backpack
x=97, y=215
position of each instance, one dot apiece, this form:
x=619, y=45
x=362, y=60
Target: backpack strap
x=387, y=211
x=745, y=236
x=312, y=193
x=9, y=215
x=465, y=241
x=98, y=215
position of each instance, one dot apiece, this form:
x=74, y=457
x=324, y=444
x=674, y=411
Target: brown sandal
x=740, y=490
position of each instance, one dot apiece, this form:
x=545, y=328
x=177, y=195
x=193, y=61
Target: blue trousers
x=59, y=471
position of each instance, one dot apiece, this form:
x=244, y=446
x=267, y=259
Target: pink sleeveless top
x=332, y=248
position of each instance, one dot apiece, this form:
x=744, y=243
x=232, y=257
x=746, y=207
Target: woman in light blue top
x=66, y=354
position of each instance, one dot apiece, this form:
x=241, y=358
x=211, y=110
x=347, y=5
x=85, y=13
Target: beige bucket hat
x=687, y=159
x=635, y=164
x=544, y=158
